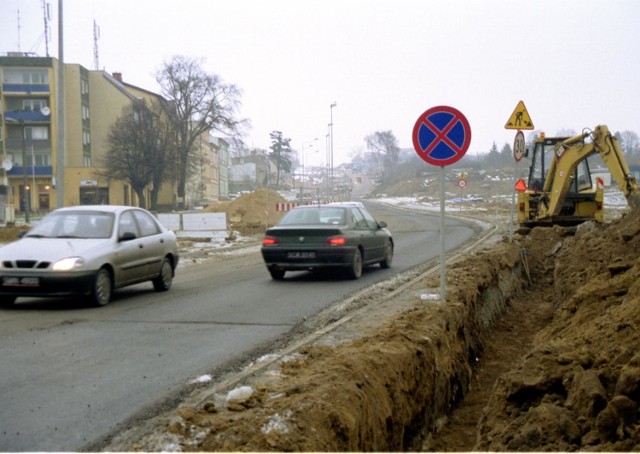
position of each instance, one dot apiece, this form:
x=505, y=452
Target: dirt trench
x=535, y=349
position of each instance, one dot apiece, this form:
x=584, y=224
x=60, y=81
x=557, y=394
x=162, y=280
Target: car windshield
x=74, y=224
x=315, y=216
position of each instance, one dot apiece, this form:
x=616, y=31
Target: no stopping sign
x=441, y=135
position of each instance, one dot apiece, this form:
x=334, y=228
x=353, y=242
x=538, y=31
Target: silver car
x=88, y=251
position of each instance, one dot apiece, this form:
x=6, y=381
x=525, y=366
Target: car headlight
x=67, y=264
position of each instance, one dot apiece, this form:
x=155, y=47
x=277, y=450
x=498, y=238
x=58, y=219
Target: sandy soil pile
x=579, y=386
x=248, y=213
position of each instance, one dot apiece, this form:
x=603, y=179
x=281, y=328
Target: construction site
x=534, y=348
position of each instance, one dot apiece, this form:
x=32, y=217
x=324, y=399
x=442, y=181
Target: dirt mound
x=250, y=213
x=579, y=387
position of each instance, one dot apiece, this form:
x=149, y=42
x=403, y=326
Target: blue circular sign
x=441, y=136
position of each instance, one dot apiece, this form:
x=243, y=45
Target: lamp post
x=302, y=162
x=25, y=184
x=334, y=104
x=327, y=163
x=25, y=191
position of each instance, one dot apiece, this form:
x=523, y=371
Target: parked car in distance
x=88, y=251
x=337, y=235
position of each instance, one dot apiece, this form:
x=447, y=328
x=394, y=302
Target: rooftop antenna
x=96, y=36
x=46, y=11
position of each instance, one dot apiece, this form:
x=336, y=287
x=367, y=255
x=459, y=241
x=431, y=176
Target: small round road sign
x=518, y=146
x=462, y=184
x=441, y=135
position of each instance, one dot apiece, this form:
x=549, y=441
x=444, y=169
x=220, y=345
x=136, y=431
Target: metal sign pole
x=442, y=247
x=513, y=200
x=441, y=136
x=518, y=154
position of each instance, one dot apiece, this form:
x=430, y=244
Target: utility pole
x=60, y=114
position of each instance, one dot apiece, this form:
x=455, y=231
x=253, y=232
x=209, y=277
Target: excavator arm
x=571, y=152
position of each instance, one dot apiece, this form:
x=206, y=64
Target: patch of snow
x=171, y=447
x=277, y=423
x=203, y=379
x=240, y=394
x=269, y=357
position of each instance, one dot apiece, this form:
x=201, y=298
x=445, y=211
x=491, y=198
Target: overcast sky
x=574, y=63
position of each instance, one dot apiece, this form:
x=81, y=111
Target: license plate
x=301, y=255
x=20, y=281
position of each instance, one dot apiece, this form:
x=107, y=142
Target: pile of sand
x=250, y=213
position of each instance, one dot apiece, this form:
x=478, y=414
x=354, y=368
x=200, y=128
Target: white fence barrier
x=196, y=225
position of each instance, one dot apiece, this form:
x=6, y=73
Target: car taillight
x=269, y=241
x=337, y=241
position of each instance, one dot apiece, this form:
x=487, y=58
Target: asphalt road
x=70, y=374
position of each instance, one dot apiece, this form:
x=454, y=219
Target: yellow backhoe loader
x=561, y=191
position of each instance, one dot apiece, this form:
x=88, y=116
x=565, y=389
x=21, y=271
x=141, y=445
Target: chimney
x=117, y=76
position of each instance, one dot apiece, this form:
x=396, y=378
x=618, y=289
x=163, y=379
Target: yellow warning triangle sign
x=520, y=118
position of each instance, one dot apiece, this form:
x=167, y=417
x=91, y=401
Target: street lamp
x=334, y=104
x=302, y=162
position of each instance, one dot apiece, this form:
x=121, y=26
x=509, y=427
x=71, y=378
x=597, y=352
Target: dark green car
x=337, y=235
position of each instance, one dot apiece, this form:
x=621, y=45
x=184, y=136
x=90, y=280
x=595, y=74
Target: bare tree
x=139, y=148
x=384, y=147
x=201, y=102
x=629, y=142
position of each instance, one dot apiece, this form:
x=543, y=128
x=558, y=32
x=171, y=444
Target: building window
x=84, y=86
x=86, y=138
x=35, y=77
x=85, y=112
x=34, y=105
x=36, y=133
x=86, y=160
x=94, y=196
x=25, y=76
x=41, y=159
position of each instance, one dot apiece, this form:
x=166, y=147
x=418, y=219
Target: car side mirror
x=382, y=225
x=127, y=236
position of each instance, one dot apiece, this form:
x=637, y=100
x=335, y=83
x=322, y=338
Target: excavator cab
x=543, y=154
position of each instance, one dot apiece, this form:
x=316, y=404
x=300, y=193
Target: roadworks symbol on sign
x=520, y=118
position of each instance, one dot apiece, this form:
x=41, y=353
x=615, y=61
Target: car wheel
x=277, y=274
x=388, y=256
x=7, y=301
x=355, y=269
x=102, y=288
x=162, y=283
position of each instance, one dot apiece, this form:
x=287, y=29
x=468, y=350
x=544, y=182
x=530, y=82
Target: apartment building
x=29, y=115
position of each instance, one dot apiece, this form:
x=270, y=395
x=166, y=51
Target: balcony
x=38, y=171
x=26, y=116
x=15, y=145
x=25, y=88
